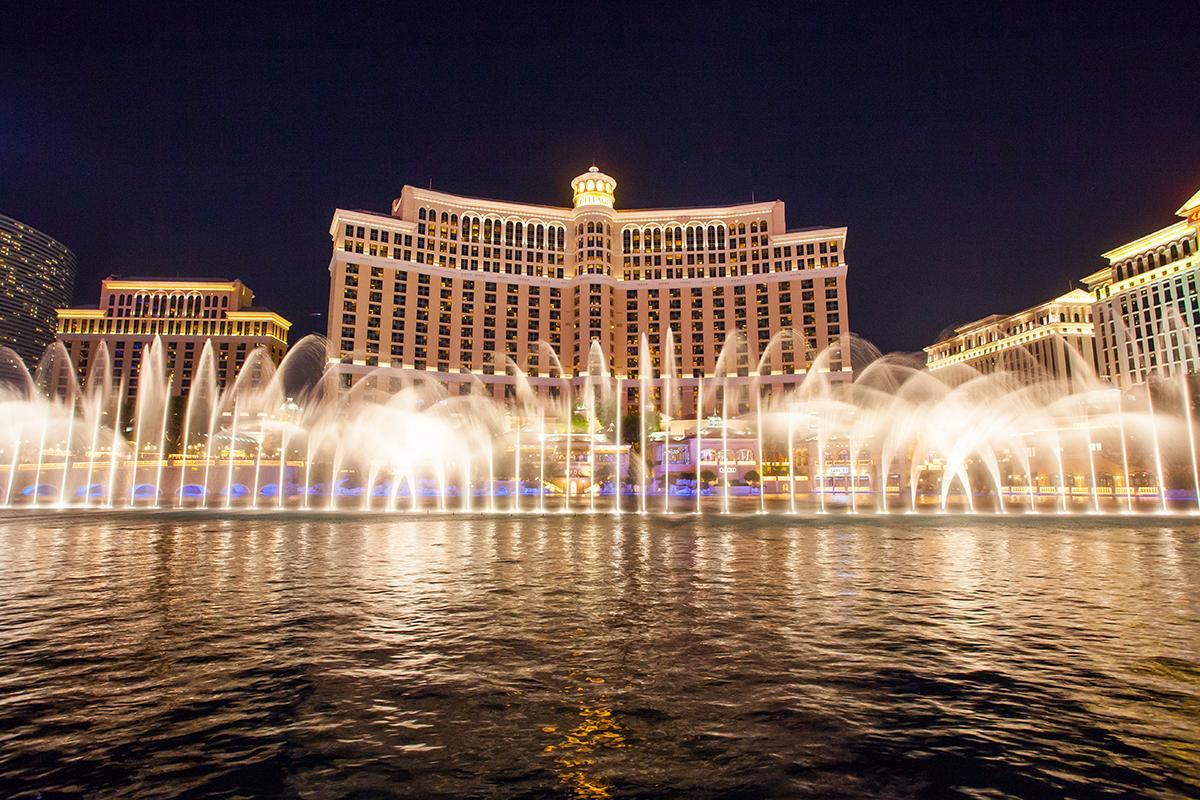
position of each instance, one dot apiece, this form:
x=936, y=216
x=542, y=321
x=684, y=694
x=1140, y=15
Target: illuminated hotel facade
x=1147, y=309
x=1050, y=340
x=184, y=314
x=37, y=276
x=1138, y=318
x=470, y=290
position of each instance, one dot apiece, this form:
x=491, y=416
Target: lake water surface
x=148, y=655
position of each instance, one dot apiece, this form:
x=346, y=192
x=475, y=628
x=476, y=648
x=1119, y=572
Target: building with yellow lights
x=1050, y=340
x=37, y=275
x=1146, y=306
x=185, y=314
x=479, y=291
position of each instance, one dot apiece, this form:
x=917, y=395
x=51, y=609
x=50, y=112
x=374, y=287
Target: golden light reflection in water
x=576, y=755
x=561, y=654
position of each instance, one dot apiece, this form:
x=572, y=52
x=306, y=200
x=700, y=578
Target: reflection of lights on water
x=576, y=753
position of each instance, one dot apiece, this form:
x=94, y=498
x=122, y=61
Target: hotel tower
x=37, y=275
x=185, y=315
x=1147, y=302
x=475, y=290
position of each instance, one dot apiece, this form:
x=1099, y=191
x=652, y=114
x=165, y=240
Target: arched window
x=421, y=213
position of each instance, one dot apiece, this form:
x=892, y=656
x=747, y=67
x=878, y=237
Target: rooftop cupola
x=593, y=188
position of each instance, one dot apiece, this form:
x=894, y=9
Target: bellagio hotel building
x=471, y=290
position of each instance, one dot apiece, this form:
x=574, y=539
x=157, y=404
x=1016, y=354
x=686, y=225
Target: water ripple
x=168, y=655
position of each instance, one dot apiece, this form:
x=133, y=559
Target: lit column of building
x=463, y=287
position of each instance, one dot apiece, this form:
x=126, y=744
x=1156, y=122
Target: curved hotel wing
x=471, y=289
x=38, y=275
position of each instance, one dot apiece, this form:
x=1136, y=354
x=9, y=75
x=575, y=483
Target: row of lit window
x=1159, y=257
x=164, y=303
x=352, y=274
x=593, y=261
x=168, y=327
x=493, y=231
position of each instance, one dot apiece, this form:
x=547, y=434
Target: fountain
x=895, y=439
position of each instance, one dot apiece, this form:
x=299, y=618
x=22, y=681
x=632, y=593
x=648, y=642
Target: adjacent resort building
x=37, y=276
x=185, y=314
x=481, y=291
x=1047, y=340
x=1139, y=317
x=1147, y=311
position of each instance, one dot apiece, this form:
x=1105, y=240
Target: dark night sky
x=982, y=156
